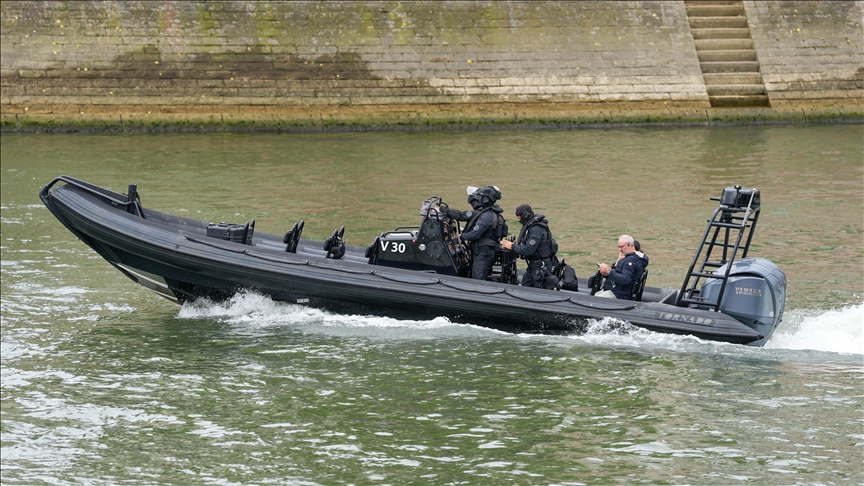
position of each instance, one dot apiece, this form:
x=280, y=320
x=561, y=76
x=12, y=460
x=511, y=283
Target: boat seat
x=292, y=237
x=640, y=286
x=247, y=235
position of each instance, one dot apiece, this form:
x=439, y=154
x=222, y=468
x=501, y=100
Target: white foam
x=613, y=332
x=836, y=330
x=257, y=310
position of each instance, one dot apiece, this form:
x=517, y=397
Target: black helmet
x=484, y=197
x=525, y=212
x=474, y=200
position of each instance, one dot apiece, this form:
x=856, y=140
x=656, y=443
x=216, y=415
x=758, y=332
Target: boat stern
x=755, y=294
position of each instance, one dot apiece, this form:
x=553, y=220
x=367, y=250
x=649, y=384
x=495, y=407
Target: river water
x=106, y=383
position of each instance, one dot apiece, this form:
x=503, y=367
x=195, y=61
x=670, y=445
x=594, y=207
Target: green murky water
x=104, y=383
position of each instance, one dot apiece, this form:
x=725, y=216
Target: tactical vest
x=492, y=235
x=544, y=249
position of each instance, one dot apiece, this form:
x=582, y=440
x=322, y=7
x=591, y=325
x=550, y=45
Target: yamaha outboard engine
x=752, y=290
x=755, y=294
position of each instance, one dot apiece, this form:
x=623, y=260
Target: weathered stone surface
x=343, y=64
x=808, y=51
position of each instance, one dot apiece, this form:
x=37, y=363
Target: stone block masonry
x=267, y=65
x=810, y=53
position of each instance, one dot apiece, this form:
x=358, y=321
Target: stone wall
x=310, y=65
x=809, y=52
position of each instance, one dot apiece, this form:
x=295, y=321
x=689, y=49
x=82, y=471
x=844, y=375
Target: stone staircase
x=729, y=64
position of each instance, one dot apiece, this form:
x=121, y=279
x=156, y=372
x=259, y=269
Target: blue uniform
x=625, y=275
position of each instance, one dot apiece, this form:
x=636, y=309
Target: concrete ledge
x=172, y=122
x=732, y=116
x=415, y=118
x=828, y=114
x=70, y=122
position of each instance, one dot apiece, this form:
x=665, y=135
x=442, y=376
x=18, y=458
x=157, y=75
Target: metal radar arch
x=732, y=223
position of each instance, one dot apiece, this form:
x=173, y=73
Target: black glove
x=451, y=213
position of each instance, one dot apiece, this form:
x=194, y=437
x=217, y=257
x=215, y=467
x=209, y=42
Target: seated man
x=626, y=272
x=639, y=251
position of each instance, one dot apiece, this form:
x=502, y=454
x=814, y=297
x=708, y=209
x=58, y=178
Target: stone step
x=729, y=101
x=733, y=33
x=736, y=33
x=723, y=44
x=712, y=79
x=727, y=56
x=717, y=22
x=713, y=2
x=715, y=10
x=735, y=89
x=730, y=67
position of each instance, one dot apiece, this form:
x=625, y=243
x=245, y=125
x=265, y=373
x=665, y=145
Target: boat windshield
x=428, y=204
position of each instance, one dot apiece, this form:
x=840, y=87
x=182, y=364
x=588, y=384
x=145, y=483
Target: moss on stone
x=8, y=122
x=370, y=119
x=206, y=19
x=69, y=123
x=821, y=114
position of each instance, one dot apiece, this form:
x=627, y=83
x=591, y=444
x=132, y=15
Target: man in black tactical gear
x=485, y=227
x=534, y=244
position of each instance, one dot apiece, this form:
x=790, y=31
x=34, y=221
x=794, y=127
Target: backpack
x=566, y=276
x=550, y=282
x=568, y=279
x=553, y=245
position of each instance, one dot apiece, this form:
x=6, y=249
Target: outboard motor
x=752, y=290
x=433, y=246
x=755, y=294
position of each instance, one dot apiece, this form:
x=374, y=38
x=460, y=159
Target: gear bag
x=550, y=282
x=544, y=277
x=566, y=276
x=568, y=279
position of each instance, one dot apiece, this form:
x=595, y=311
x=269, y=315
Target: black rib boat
x=420, y=271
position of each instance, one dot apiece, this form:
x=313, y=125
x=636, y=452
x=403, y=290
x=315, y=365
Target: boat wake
x=835, y=330
x=249, y=308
